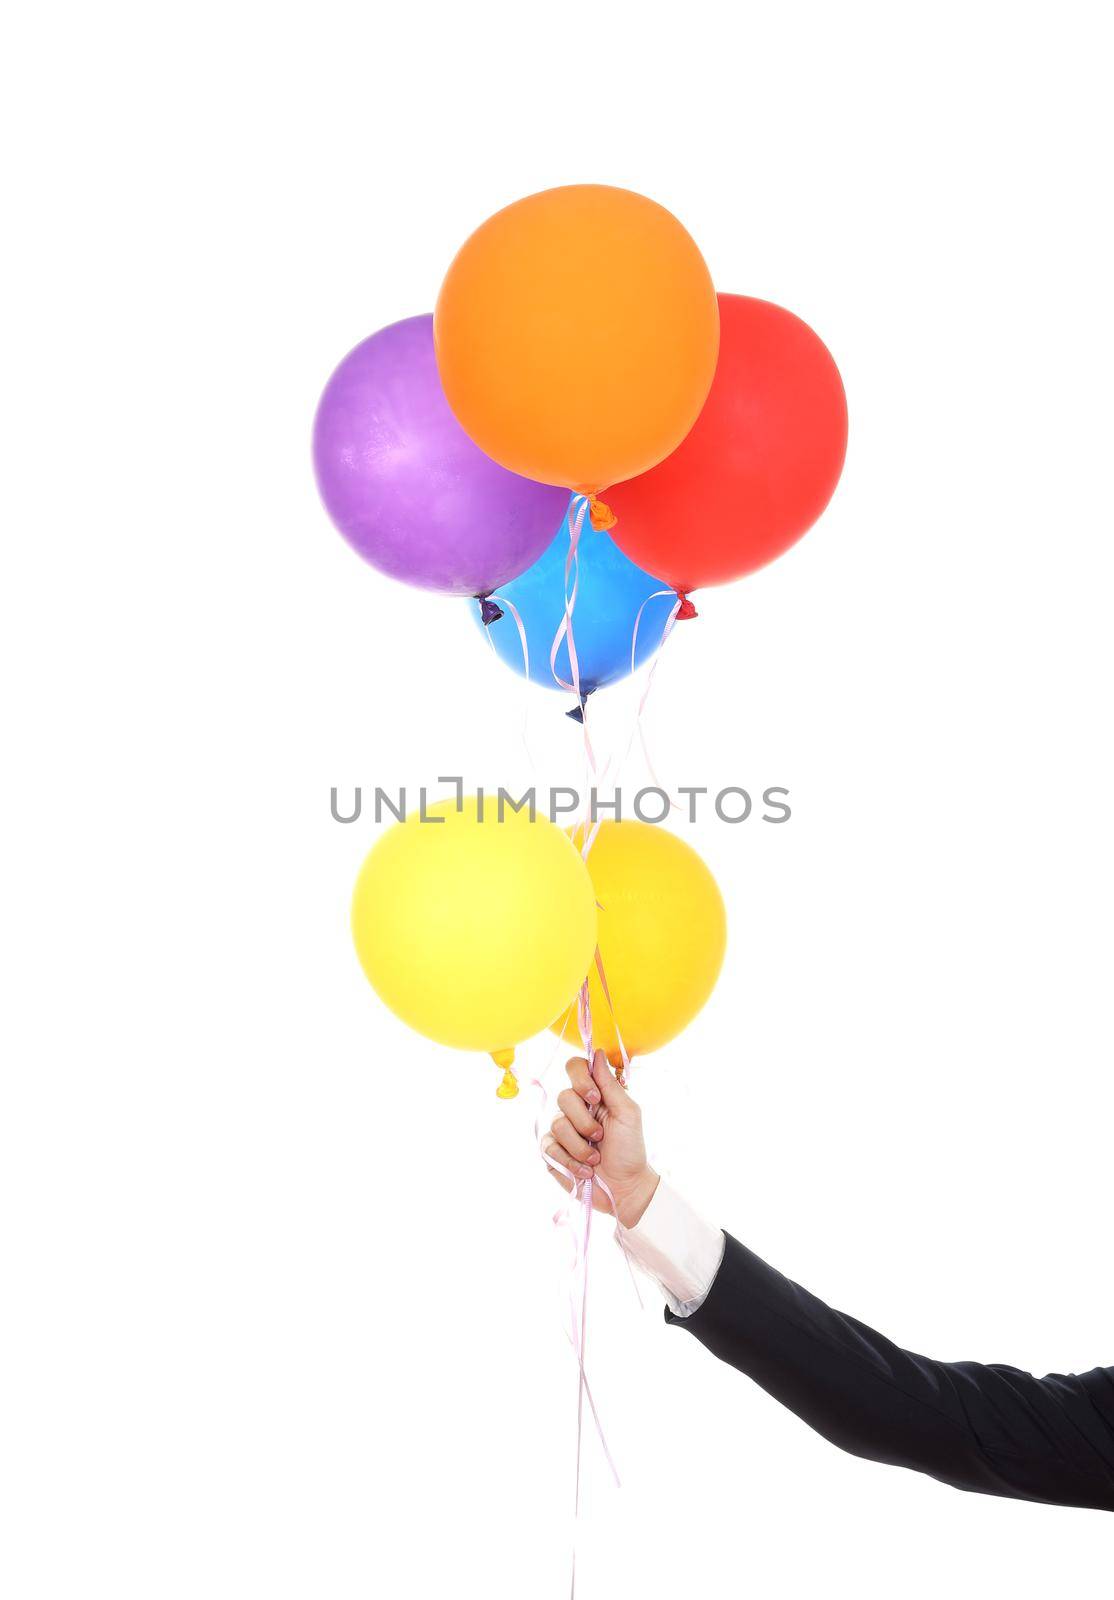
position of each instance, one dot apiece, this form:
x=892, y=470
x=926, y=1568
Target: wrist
x=633, y=1198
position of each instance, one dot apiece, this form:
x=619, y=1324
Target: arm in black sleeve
x=991, y=1429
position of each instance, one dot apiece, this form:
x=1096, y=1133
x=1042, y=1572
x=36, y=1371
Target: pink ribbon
x=581, y=1195
x=658, y=594
x=575, y=523
x=624, y=1057
x=574, y=518
x=513, y=609
x=581, y=1199
x=639, y=726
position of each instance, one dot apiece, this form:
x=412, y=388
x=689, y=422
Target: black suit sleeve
x=991, y=1429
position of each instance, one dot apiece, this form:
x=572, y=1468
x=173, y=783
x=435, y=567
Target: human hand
x=599, y=1134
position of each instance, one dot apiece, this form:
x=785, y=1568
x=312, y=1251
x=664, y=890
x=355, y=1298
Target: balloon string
x=584, y=1194
x=584, y=1024
x=623, y=1056
x=602, y=1113
x=574, y=523
x=582, y=1191
x=574, y=518
x=513, y=609
x=639, y=726
x=584, y=1007
x=658, y=594
x=524, y=731
x=562, y=1218
x=589, y=826
x=581, y=1197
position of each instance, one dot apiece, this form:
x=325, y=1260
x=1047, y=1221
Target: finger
x=568, y=1138
x=615, y=1097
x=571, y=1168
x=582, y=1080
x=578, y=1114
x=553, y=1163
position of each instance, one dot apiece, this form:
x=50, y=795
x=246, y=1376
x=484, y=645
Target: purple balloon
x=405, y=484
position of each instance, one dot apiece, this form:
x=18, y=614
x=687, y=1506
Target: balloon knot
x=489, y=611
x=602, y=517
x=509, y=1086
x=686, y=609
x=577, y=712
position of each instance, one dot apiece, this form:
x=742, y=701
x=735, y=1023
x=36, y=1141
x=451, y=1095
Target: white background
x=282, y=1305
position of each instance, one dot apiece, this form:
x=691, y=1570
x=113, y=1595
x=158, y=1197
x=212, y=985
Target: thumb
x=614, y=1096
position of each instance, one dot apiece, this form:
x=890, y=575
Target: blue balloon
x=610, y=592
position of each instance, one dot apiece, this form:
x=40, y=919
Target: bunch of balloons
x=480, y=928
x=578, y=348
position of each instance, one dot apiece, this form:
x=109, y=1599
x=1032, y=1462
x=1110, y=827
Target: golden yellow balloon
x=476, y=928
x=662, y=934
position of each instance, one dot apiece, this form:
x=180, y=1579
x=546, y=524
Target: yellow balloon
x=476, y=929
x=662, y=933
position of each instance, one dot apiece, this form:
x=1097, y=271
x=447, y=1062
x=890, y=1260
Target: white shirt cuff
x=675, y=1247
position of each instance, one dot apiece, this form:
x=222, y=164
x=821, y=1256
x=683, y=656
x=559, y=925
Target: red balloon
x=759, y=465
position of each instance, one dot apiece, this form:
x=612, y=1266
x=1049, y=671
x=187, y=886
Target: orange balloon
x=576, y=334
